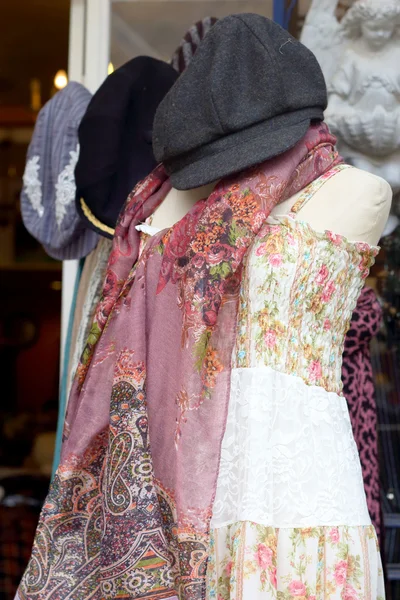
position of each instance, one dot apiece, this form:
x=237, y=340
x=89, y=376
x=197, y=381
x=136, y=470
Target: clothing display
x=115, y=138
x=358, y=389
x=166, y=514
x=48, y=194
x=207, y=450
x=290, y=511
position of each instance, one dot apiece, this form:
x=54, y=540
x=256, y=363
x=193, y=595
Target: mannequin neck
x=177, y=204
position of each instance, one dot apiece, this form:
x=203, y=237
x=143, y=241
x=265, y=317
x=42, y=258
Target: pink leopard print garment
x=358, y=389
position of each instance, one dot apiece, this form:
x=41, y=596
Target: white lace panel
x=288, y=455
x=66, y=187
x=33, y=185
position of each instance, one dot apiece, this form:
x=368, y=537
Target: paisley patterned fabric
x=128, y=513
x=358, y=389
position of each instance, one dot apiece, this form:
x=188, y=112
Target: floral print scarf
x=128, y=512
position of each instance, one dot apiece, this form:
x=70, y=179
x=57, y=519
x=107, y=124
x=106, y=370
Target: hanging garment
x=129, y=516
x=62, y=403
x=88, y=287
x=358, y=389
x=89, y=293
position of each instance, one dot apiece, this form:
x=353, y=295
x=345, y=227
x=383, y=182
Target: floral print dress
x=290, y=519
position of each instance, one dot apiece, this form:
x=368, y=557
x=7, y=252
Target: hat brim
x=79, y=247
x=240, y=150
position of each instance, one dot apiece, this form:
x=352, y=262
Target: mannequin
x=354, y=204
x=225, y=345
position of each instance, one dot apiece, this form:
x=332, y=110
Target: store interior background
x=34, y=39
x=34, y=46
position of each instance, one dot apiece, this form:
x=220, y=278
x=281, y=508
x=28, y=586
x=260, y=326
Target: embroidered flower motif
x=33, y=185
x=66, y=187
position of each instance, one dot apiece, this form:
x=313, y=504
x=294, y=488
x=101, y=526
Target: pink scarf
x=128, y=513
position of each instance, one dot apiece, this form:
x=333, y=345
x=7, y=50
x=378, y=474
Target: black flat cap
x=249, y=94
x=115, y=138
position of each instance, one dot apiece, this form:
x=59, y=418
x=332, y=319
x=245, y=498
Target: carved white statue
x=360, y=58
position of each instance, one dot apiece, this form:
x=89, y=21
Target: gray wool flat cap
x=248, y=95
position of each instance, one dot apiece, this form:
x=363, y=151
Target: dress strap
x=314, y=186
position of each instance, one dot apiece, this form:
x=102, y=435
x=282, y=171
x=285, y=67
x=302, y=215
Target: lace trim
x=66, y=187
x=288, y=455
x=33, y=185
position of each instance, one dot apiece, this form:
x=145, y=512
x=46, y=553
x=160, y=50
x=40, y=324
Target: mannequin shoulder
x=355, y=184
x=353, y=203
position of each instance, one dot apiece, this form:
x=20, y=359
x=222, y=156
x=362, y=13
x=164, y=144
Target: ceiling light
x=60, y=80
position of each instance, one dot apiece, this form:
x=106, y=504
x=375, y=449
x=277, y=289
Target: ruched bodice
x=288, y=455
x=299, y=290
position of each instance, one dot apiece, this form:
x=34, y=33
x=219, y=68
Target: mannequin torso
x=353, y=203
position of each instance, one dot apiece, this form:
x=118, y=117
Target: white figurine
x=363, y=77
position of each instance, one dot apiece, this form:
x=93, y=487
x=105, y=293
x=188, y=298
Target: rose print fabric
x=290, y=519
x=297, y=297
x=255, y=562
